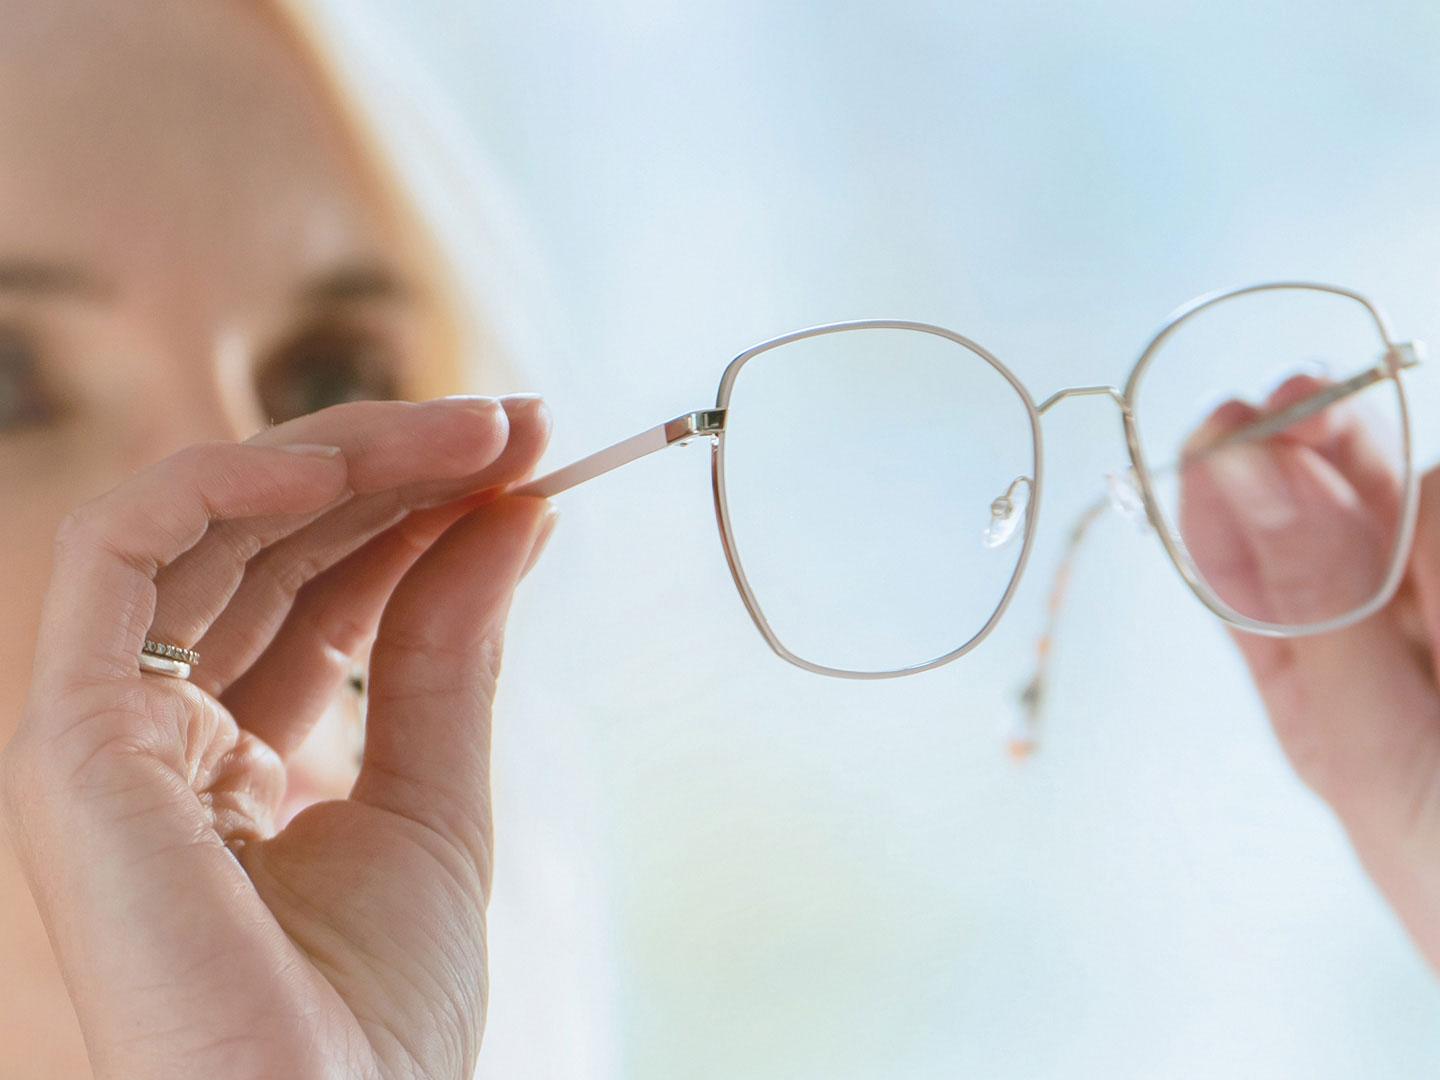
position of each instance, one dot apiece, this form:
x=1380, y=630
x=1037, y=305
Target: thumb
x=433, y=672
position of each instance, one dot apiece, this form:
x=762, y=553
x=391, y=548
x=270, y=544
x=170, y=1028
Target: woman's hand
x=194, y=939
x=1356, y=710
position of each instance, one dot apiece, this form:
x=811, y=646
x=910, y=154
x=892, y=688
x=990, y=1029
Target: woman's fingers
x=433, y=672
x=1299, y=527
x=282, y=694
x=1280, y=536
x=258, y=610
x=1350, y=437
x=1309, y=527
x=115, y=785
x=391, y=446
x=1283, y=531
x=1302, y=528
x=109, y=551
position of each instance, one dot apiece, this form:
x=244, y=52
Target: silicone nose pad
x=1125, y=497
x=1007, y=514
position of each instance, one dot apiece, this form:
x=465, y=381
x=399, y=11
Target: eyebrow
x=358, y=281
x=346, y=283
x=41, y=277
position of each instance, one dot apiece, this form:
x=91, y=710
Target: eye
x=323, y=366
x=24, y=400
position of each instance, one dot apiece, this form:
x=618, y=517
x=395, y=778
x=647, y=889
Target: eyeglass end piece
x=1408, y=354
x=692, y=425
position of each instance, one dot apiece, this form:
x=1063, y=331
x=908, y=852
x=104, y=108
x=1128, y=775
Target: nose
x=189, y=396
x=180, y=419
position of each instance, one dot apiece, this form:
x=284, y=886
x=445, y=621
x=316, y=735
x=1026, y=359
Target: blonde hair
x=436, y=179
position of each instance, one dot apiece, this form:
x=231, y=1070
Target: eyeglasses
x=877, y=484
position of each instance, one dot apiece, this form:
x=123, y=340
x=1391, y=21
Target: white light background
x=716, y=865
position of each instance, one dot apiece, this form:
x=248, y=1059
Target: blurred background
x=754, y=871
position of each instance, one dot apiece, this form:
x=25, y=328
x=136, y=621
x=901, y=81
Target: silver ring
x=163, y=666
x=165, y=659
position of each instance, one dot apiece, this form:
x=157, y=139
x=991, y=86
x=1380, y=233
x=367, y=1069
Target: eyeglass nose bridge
x=1112, y=392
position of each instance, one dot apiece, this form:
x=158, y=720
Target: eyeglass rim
x=1130, y=416
x=1126, y=399
x=727, y=535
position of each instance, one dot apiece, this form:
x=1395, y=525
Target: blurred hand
x=194, y=939
x=1299, y=524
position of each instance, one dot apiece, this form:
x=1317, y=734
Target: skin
x=194, y=254
x=1307, y=522
x=181, y=167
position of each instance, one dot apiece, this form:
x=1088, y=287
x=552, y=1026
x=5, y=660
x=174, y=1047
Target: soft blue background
x=814, y=878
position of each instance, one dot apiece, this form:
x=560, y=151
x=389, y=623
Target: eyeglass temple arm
x=1024, y=738
x=679, y=430
x=1396, y=359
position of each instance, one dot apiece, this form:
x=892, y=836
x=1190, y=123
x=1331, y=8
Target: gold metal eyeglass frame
x=710, y=424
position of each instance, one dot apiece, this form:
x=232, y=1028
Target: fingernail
x=477, y=402
x=1202, y=437
x=312, y=449
x=542, y=537
x=1222, y=420
x=1254, y=486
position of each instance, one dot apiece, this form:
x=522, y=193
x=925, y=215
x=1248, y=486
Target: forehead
x=145, y=135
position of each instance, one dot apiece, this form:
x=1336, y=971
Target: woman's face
x=190, y=247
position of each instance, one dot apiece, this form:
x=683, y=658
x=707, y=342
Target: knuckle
x=217, y=471
x=81, y=528
x=96, y=527
x=489, y=656
x=412, y=535
x=338, y=627
x=425, y=668
x=424, y=643
x=239, y=545
x=284, y=569
x=208, y=458
x=292, y=574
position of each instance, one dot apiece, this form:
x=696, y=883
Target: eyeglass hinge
x=1407, y=354
x=692, y=425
